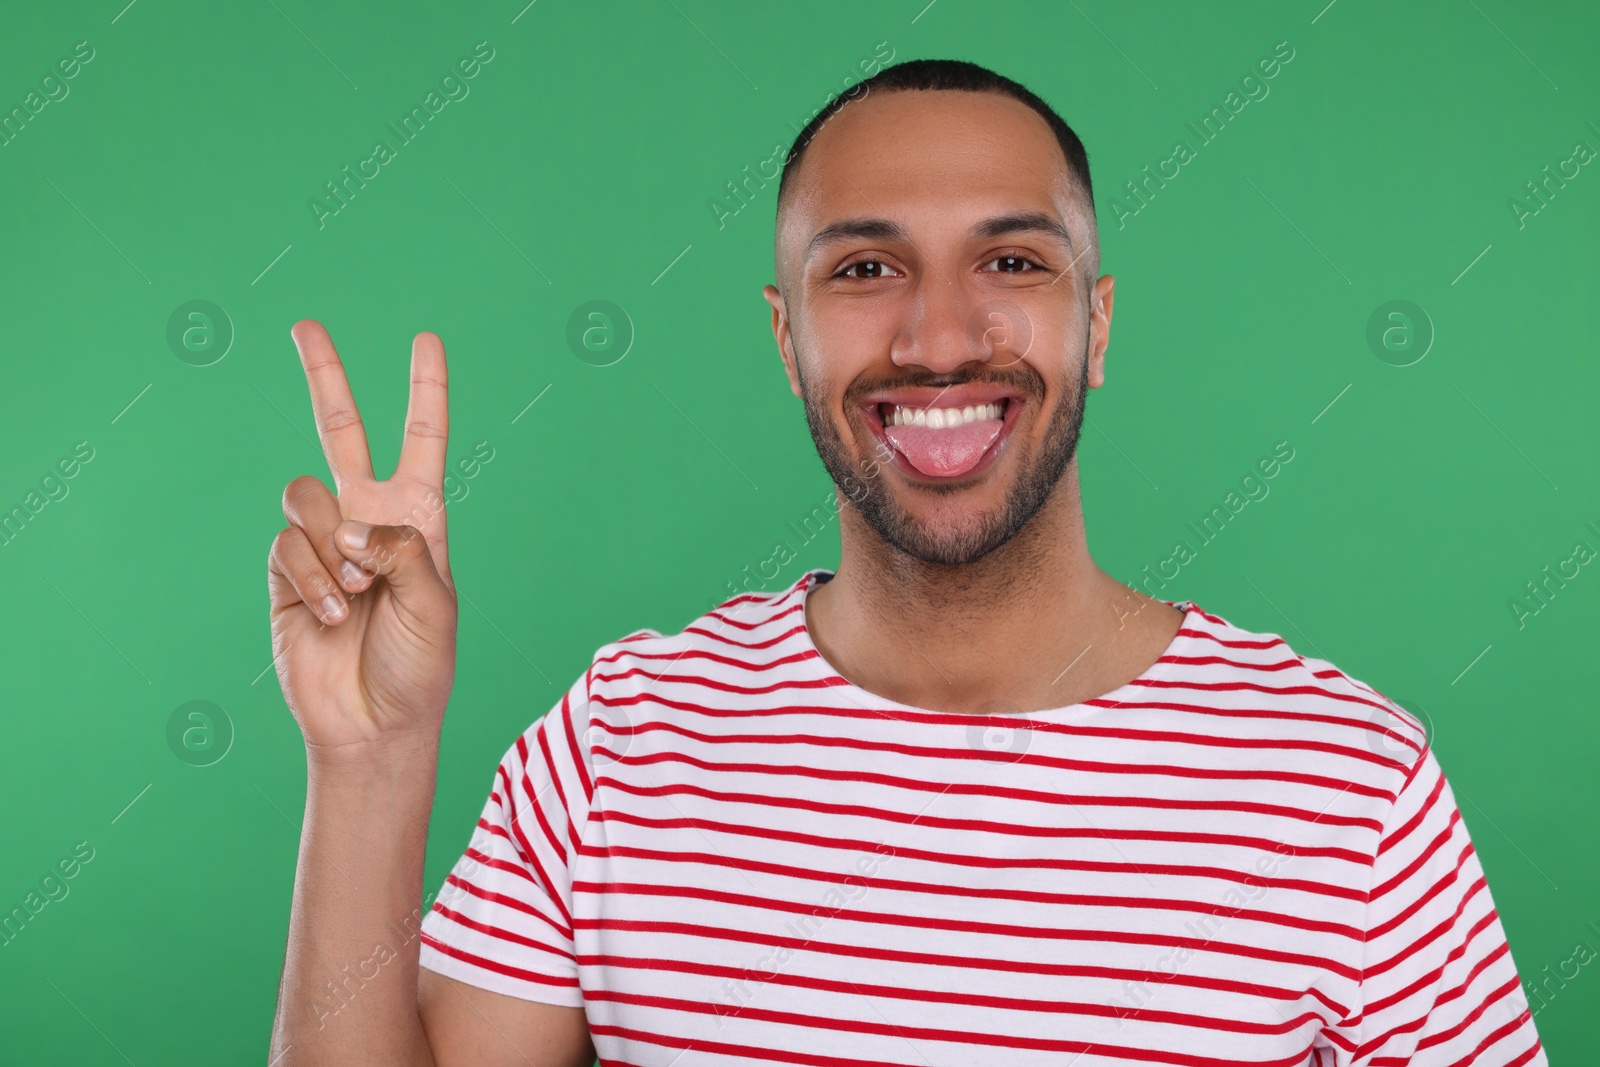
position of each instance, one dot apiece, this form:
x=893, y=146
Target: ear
x=1099, y=328
x=781, y=334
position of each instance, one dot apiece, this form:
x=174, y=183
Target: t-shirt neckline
x=1157, y=671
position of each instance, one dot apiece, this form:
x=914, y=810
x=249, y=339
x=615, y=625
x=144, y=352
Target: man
x=966, y=799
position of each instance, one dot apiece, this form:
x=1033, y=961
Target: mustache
x=1031, y=385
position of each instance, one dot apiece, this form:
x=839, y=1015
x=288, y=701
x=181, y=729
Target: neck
x=1034, y=624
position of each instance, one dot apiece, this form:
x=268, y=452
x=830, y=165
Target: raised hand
x=364, y=631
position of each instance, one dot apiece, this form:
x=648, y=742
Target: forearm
x=349, y=989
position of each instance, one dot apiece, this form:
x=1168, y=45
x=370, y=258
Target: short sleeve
x=503, y=918
x=1438, y=982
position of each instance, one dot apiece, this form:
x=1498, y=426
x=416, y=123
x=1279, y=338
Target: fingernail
x=332, y=607
x=355, y=534
x=353, y=575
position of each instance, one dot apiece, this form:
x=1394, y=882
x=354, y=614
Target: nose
x=936, y=334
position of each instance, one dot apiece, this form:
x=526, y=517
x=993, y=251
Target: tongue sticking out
x=948, y=452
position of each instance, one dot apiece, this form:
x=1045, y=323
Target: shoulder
x=721, y=650
x=740, y=625
x=714, y=658
x=1242, y=666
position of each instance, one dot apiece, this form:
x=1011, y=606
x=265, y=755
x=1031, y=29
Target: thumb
x=397, y=553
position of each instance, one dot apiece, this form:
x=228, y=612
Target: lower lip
x=990, y=456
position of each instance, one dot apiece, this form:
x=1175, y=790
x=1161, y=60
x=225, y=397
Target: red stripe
x=1281, y=665
x=514, y=824
x=726, y=687
x=1424, y=898
x=767, y=621
x=991, y=827
x=855, y=712
x=554, y=777
x=739, y=644
x=808, y=1059
x=909, y=1033
x=1436, y=933
x=1254, y=687
x=928, y=922
x=1207, y=635
x=1495, y=1037
x=1404, y=830
x=1231, y=744
x=1528, y=1055
x=498, y=864
x=496, y=967
x=501, y=935
x=946, y=961
x=727, y=661
x=468, y=886
x=1427, y=980
x=1031, y=759
x=1494, y=996
x=855, y=845
x=980, y=1000
x=988, y=789
x=1087, y=900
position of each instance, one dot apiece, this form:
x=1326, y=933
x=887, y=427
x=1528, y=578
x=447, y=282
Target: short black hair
x=960, y=75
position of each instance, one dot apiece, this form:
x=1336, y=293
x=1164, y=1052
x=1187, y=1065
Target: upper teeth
x=942, y=418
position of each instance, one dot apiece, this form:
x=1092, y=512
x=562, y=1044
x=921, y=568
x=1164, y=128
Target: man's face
x=925, y=272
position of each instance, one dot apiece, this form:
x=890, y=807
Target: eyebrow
x=878, y=229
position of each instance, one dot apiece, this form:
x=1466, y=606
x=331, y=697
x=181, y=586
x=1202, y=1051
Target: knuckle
x=318, y=584
x=425, y=429
x=339, y=419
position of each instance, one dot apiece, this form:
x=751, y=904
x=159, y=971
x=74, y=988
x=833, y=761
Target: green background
x=582, y=166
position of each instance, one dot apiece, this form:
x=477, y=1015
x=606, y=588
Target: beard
x=896, y=527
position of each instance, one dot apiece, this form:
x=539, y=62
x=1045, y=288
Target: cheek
x=1054, y=351
x=1060, y=377
x=834, y=349
x=853, y=334
x=1049, y=331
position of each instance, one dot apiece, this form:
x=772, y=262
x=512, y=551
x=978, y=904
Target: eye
x=1014, y=264
x=863, y=268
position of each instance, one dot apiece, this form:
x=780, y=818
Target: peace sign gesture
x=363, y=607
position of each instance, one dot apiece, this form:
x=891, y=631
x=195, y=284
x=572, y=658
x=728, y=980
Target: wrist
x=392, y=755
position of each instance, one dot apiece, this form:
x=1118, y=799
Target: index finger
x=344, y=440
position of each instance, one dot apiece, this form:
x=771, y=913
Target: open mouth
x=944, y=442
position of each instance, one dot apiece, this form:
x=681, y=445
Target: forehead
x=924, y=156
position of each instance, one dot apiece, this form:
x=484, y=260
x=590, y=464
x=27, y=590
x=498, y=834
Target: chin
x=951, y=530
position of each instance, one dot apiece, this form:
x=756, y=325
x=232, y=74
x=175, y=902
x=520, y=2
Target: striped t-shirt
x=726, y=853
